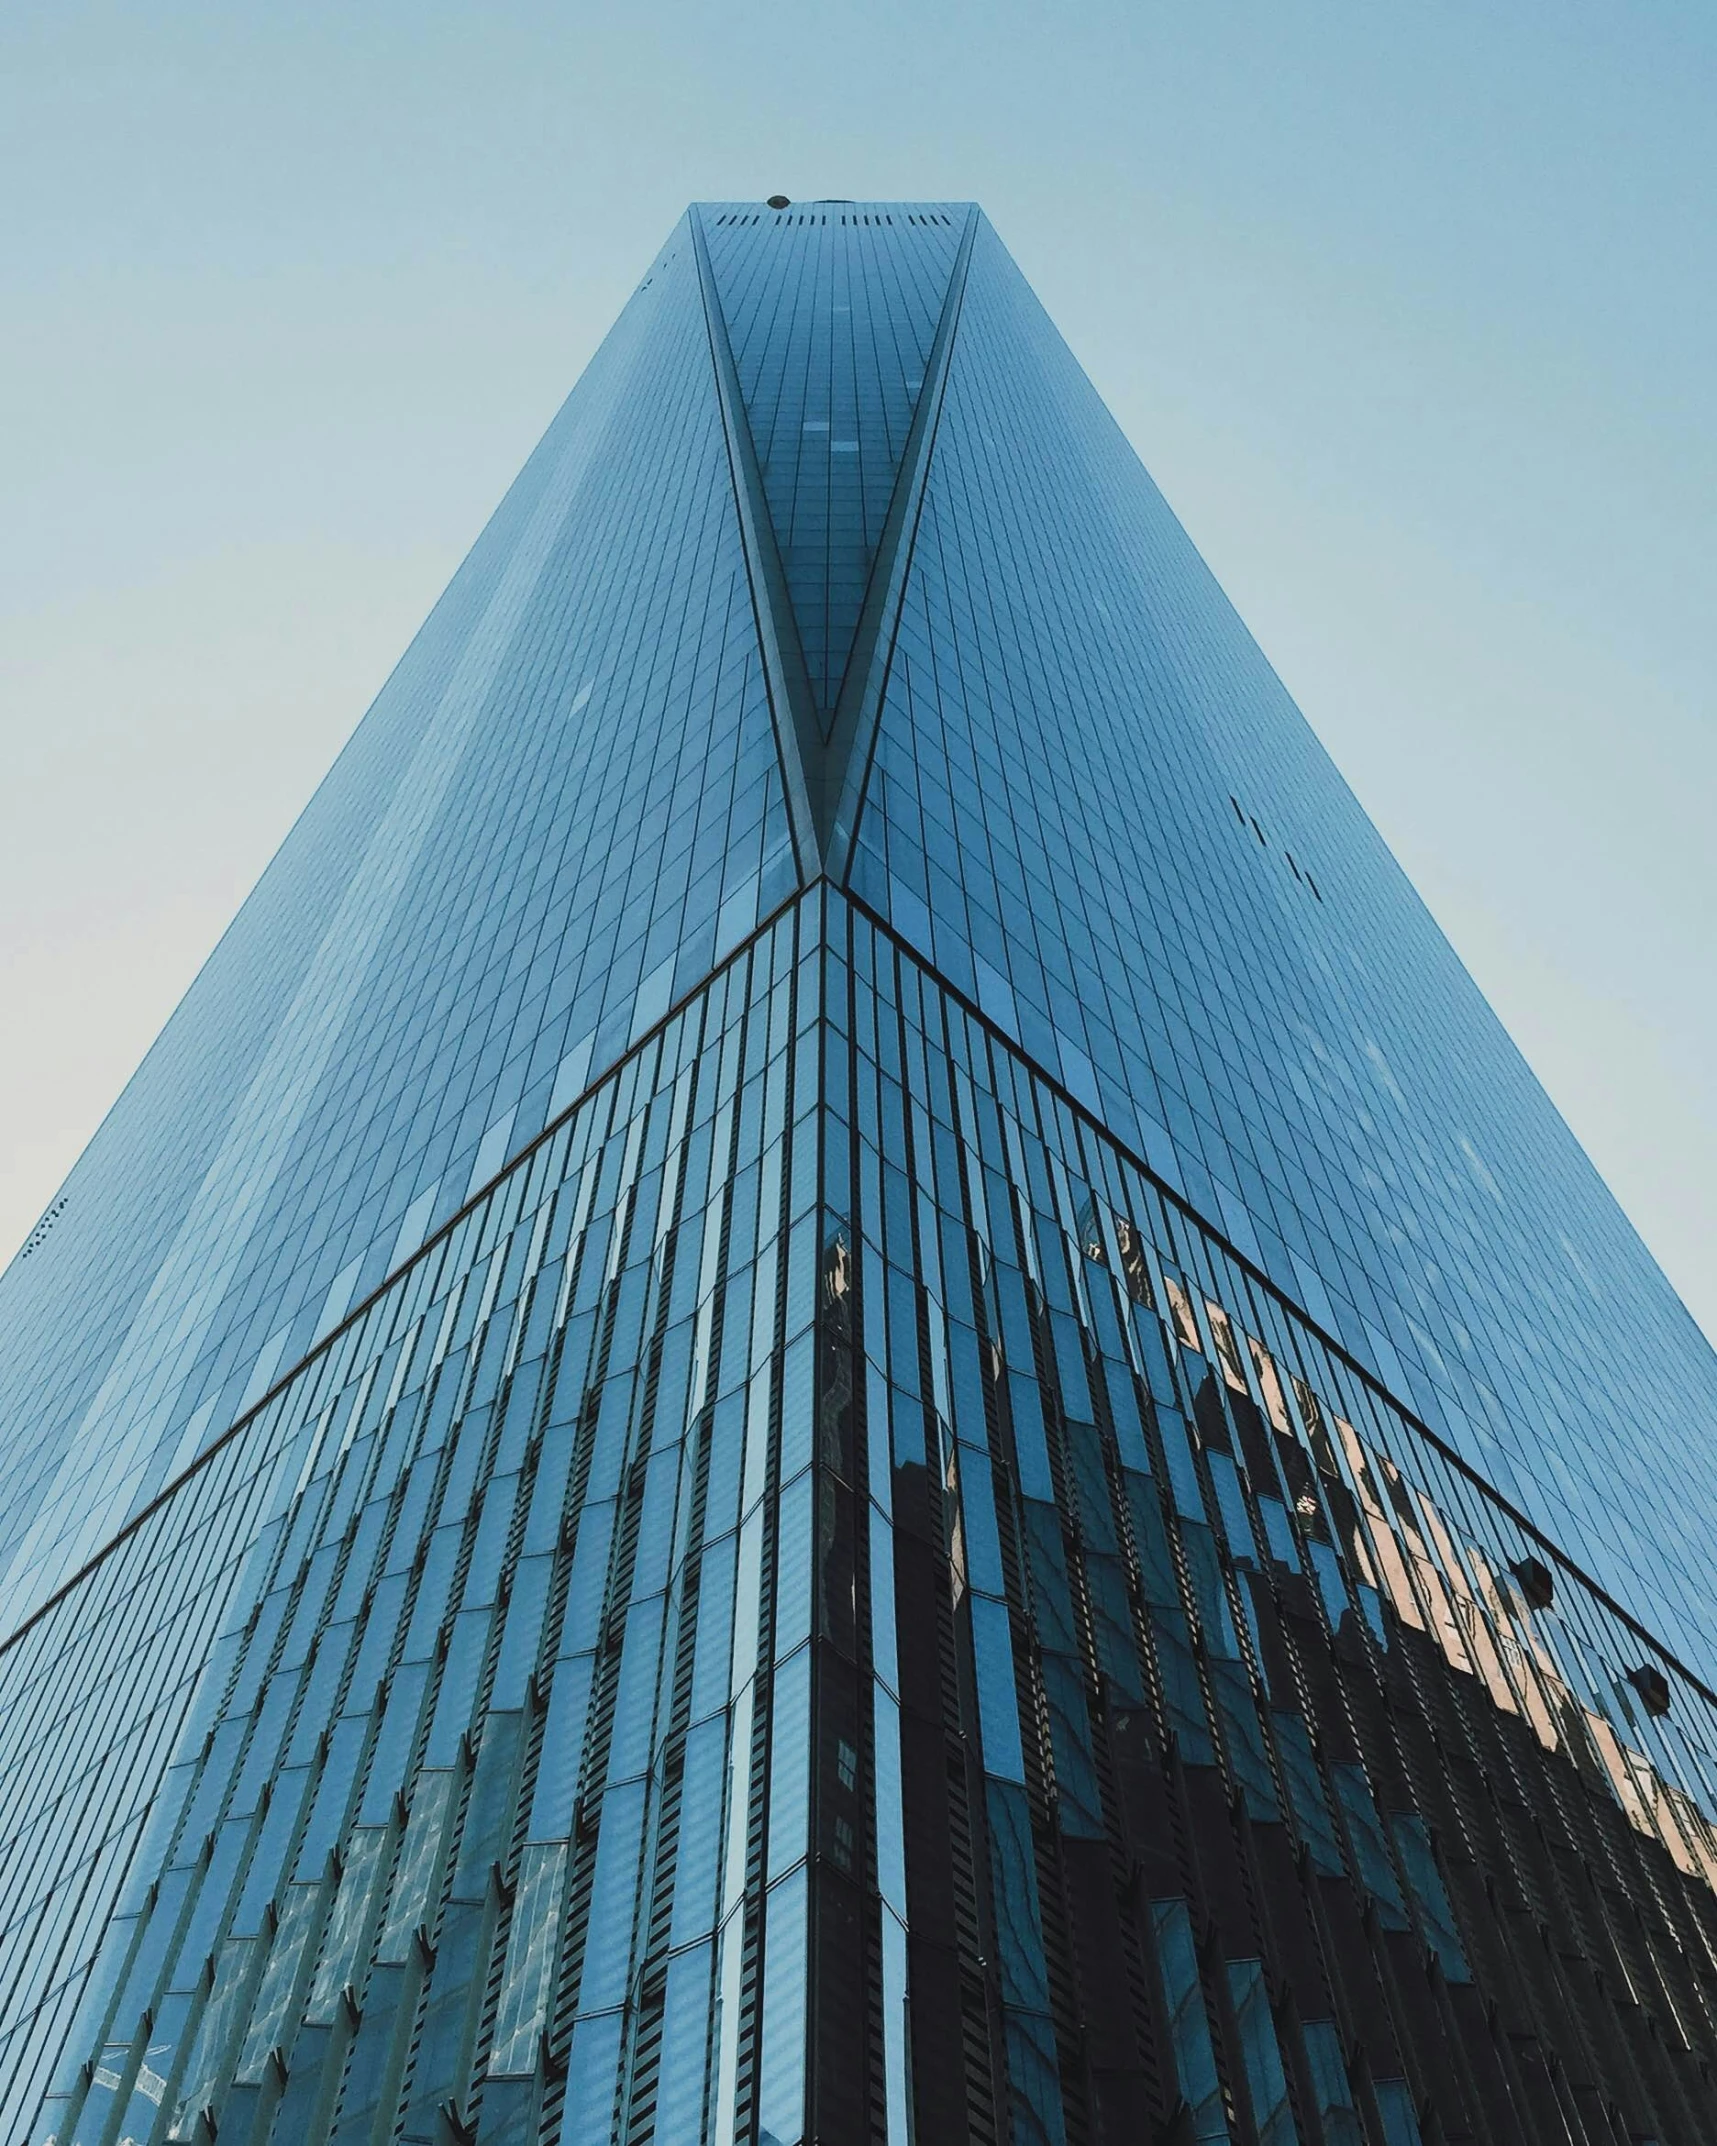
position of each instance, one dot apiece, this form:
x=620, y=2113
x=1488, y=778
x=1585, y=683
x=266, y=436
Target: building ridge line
x=824, y=884
x=389, y=1280
x=844, y=775
x=1249, y=1266
x=792, y=706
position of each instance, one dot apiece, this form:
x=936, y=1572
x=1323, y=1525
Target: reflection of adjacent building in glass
x=810, y=1436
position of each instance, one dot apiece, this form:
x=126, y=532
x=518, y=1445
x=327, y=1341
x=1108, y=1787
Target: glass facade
x=833, y=1386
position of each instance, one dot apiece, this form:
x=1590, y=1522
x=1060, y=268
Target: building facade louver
x=833, y=1386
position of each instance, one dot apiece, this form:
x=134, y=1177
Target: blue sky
x=1411, y=312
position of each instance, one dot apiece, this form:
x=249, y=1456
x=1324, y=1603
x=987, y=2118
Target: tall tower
x=833, y=1385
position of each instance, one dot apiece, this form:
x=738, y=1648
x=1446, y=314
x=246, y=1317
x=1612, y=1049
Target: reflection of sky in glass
x=449, y=942
x=1091, y=802
x=824, y=1487
x=556, y=1580
x=1095, y=807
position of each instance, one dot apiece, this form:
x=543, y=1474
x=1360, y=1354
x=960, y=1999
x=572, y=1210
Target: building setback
x=833, y=1385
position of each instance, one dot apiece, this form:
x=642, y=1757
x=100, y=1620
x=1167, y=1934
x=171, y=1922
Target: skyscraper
x=833, y=1385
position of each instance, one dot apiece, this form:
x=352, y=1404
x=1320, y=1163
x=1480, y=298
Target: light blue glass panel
x=1336, y=2111
x=684, y=2064
x=781, y=2066
x=1265, y=2079
x=790, y=1763
x=592, y=2080
x=895, y=2022
x=523, y=2012
x=998, y=1704
x=1195, y=2057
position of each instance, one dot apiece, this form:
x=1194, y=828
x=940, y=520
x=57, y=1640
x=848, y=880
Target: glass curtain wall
x=826, y=1605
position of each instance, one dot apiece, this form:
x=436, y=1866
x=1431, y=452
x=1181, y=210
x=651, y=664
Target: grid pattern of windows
x=1022, y=1499
x=830, y=315
x=1085, y=792
x=448, y=941
x=517, y=1538
x=824, y=1604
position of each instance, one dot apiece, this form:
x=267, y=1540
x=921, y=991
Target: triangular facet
x=831, y=315
x=745, y=1428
